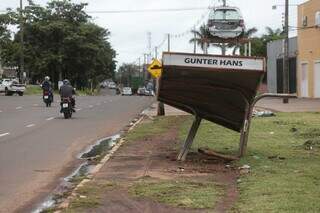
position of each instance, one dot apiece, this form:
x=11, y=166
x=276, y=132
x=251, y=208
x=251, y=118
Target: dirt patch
x=154, y=158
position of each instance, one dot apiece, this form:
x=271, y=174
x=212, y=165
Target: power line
x=149, y=10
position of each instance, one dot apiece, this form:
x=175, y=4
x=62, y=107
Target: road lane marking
x=90, y=106
x=4, y=134
x=19, y=107
x=1, y=111
x=49, y=119
x=30, y=125
x=79, y=109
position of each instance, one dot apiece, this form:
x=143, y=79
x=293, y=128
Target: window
x=305, y=21
x=317, y=19
x=228, y=14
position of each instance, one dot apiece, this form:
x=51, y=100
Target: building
x=308, y=65
x=275, y=65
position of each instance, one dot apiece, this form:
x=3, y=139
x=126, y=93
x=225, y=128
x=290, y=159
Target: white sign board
x=218, y=62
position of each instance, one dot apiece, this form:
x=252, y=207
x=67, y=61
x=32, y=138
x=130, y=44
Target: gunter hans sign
x=218, y=62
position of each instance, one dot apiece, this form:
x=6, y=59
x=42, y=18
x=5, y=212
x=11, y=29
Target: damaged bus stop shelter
x=220, y=89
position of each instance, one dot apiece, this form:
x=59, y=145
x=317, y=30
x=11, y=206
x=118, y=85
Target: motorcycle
x=66, y=107
x=47, y=98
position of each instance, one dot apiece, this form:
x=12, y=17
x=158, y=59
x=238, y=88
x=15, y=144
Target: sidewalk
x=274, y=104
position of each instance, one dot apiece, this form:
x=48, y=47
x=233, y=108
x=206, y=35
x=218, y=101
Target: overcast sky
x=129, y=30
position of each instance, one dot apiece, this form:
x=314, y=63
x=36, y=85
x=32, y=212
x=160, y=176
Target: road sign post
x=155, y=70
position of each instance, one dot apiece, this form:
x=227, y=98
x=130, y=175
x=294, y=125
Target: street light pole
x=21, y=42
x=286, y=54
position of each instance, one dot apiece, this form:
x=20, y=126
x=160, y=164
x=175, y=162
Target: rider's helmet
x=47, y=78
x=66, y=82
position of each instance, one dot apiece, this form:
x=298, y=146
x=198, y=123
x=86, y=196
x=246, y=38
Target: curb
x=98, y=167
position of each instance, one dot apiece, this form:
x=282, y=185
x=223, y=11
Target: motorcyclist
x=47, y=87
x=67, y=91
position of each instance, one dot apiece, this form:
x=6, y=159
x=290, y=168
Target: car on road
x=11, y=86
x=226, y=22
x=112, y=85
x=144, y=91
x=126, y=91
x=141, y=91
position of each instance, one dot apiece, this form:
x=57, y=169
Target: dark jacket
x=66, y=91
x=47, y=86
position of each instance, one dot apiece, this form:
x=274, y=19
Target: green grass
x=156, y=127
x=285, y=175
x=33, y=90
x=182, y=193
x=89, y=196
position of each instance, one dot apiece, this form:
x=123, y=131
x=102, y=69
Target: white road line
x=1, y=111
x=79, y=109
x=30, y=125
x=4, y=134
x=49, y=119
x=90, y=106
x=19, y=107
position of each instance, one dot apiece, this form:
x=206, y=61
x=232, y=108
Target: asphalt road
x=38, y=146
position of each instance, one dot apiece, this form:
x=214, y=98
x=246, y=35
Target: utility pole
x=21, y=42
x=156, y=52
x=286, y=54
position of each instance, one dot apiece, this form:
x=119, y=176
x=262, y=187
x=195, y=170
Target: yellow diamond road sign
x=155, y=68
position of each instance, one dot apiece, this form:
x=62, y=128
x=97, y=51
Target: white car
x=126, y=91
x=226, y=22
x=11, y=86
x=112, y=85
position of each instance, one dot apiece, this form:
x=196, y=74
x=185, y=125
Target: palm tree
x=201, y=38
x=273, y=35
x=246, y=34
x=204, y=39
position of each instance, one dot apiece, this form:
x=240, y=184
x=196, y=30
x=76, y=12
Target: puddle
x=100, y=147
x=69, y=182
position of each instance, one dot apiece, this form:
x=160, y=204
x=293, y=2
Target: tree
x=246, y=34
x=61, y=41
x=201, y=38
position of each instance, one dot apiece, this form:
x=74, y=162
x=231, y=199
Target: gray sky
x=129, y=30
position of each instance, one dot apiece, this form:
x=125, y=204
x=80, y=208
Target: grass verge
x=182, y=193
x=158, y=126
x=89, y=196
x=33, y=90
x=284, y=156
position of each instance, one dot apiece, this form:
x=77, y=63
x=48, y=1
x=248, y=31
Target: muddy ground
x=155, y=157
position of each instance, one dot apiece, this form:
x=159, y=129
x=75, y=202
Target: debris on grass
x=245, y=169
x=263, y=113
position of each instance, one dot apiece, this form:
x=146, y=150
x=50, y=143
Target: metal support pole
x=169, y=42
x=188, y=143
x=286, y=54
x=248, y=116
x=223, y=49
x=195, y=41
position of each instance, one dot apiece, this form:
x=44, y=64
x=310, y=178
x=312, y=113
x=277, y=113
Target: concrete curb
x=98, y=167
